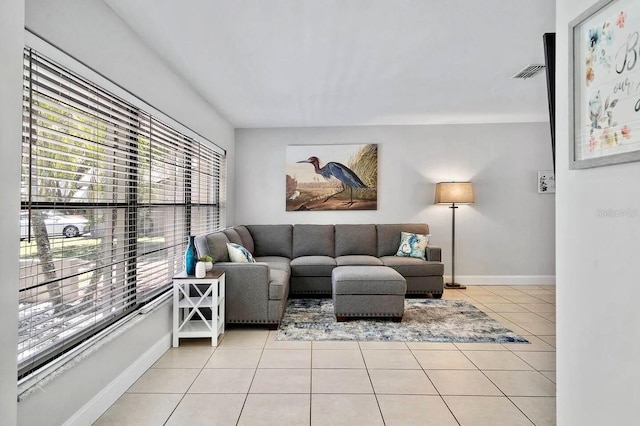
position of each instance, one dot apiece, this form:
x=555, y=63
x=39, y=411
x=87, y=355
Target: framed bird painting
x=605, y=110
x=332, y=177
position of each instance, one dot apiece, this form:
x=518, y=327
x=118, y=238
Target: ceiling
x=293, y=63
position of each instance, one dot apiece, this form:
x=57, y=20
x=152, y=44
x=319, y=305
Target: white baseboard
x=503, y=279
x=93, y=409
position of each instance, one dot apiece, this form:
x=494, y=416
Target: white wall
x=11, y=39
x=506, y=236
x=598, y=274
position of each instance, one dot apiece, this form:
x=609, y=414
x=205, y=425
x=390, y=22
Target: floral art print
x=607, y=65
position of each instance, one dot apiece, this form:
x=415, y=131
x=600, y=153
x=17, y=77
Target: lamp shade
x=454, y=192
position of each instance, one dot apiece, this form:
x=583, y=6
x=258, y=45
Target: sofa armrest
x=246, y=292
x=256, y=273
x=434, y=254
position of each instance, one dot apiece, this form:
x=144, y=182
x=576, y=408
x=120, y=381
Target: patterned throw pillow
x=413, y=245
x=239, y=254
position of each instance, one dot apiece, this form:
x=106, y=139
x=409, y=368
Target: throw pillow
x=413, y=245
x=239, y=254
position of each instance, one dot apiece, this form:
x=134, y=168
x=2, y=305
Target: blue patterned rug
x=424, y=320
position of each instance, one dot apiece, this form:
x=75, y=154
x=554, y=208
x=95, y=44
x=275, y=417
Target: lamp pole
x=453, y=242
x=453, y=283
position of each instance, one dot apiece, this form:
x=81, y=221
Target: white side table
x=190, y=295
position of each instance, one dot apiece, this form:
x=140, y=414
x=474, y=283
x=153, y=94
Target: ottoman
x=367, y=291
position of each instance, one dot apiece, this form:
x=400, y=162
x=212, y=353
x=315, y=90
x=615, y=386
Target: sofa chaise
x=298, y=260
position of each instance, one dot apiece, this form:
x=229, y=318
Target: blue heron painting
x=347, y=182
x=339, y=171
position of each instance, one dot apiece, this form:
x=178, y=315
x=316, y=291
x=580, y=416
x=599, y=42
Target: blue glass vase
x=190, y=256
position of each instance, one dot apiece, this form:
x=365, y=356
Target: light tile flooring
x=252, y=379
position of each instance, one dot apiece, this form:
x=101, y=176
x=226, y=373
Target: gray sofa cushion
x=245, y=235
x=356, y=239
x=312, y=266
x=272, y=240
x=413, y=267
x=233, y=236
x=276, y=262
x=358, y=259
x=313, y=240
x=389, y=236
x=213, y=244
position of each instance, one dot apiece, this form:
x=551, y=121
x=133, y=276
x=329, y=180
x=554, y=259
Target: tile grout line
x=373, y=389
x=311, y=385
x=189, y=387
x=255, y=371
x=434, y=385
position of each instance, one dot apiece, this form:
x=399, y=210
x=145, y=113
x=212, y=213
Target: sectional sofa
x=298, y=260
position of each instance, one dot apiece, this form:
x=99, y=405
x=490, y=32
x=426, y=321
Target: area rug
x=424, y=320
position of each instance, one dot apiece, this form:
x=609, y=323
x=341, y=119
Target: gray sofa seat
x=312, y=266
x=412, y=267
x=358, y=260
x=276, y=262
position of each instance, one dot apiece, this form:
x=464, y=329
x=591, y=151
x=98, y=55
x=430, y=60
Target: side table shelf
x=190, y=296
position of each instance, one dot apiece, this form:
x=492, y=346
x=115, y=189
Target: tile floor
x=252, y=379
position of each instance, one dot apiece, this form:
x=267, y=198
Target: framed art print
x=546, y=182
x=332, y=177
x=605, y=74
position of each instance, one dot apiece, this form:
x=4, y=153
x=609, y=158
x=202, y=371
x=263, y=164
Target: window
x=109, y=195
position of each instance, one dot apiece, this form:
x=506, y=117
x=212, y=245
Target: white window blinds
x=109, y=195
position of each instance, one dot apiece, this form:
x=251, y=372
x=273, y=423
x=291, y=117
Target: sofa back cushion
x=233, y=236
x=272, y=240
x=313, y=240
x=389, y=235
x=245, y=235
x=356, y=239
x=213, y=244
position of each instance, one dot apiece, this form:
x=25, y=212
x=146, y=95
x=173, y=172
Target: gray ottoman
x=367, y=291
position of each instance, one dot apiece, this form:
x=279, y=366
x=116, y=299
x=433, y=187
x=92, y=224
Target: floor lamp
x=454, y=193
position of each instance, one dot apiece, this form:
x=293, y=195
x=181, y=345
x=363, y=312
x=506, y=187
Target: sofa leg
x=340, y=318
x=272, y=326
x=396, y=319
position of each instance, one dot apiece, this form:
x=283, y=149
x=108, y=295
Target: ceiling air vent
x=528, y=71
